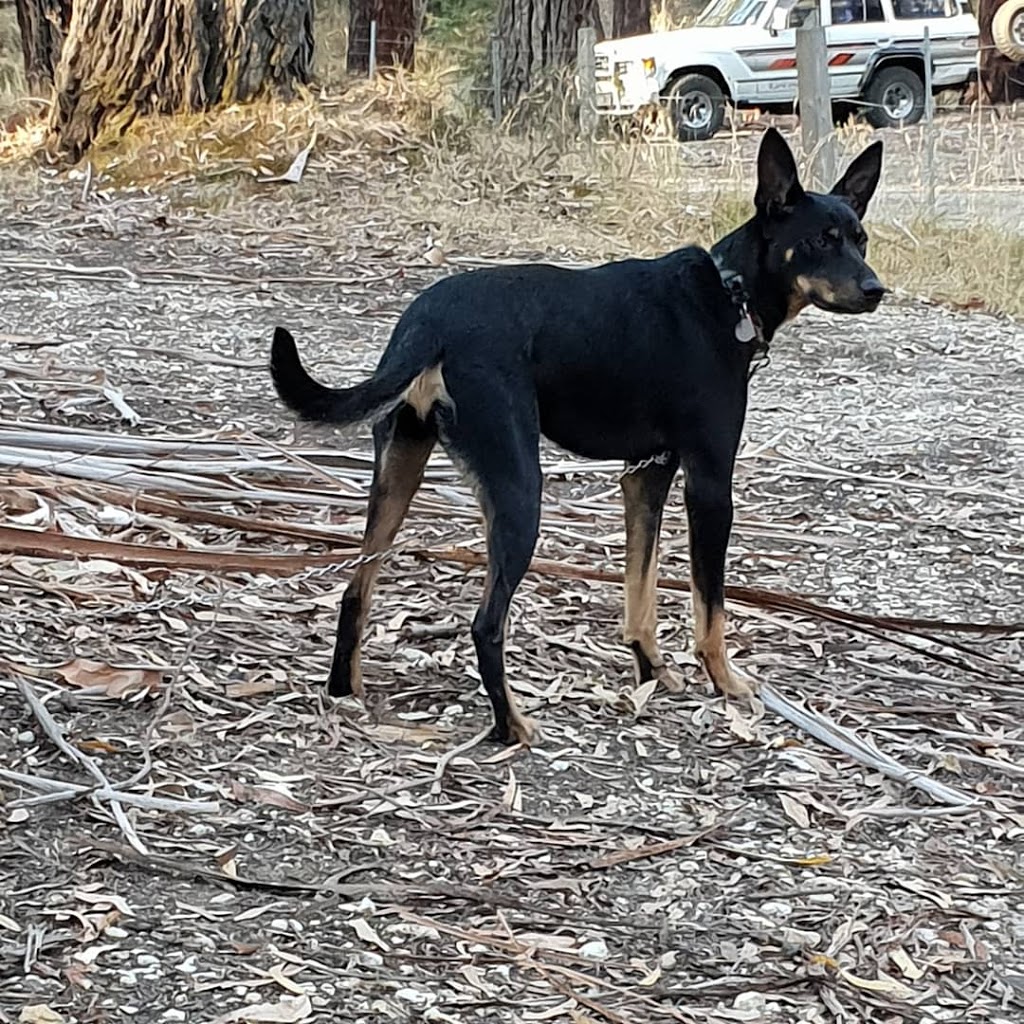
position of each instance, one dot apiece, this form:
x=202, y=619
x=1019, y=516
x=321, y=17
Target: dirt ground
x=278, y=856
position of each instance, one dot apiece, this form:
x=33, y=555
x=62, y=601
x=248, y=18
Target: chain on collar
x=749, y=330
x=157, y=603
x=659, y=459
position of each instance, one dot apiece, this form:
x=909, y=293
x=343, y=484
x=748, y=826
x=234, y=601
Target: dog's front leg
x=709, y=511
x=644, y=492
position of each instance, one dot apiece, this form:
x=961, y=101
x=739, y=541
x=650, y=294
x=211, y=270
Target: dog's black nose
x=873, y=289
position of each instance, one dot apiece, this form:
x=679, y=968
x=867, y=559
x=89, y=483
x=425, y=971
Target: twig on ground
x=104, y=790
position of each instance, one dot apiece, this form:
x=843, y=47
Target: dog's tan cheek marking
x=426, y=390
x=789, y=256
x=821, y=287
x=798, y=298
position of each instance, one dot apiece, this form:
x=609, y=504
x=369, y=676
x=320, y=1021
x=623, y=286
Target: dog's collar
x=748, y=328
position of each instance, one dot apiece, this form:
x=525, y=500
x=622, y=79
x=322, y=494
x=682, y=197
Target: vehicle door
x=858, y=29
x=777, y=66
x=952, y=28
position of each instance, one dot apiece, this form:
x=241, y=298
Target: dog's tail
x=314, y=401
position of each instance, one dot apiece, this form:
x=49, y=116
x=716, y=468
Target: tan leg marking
x=400, y=476
x=524, y=729
x=709, y=634
x=641, y=583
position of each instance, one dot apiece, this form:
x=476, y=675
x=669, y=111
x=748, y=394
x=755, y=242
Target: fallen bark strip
x=847, y=742
x=52, y=544
x=385, y=891
x=755, y=596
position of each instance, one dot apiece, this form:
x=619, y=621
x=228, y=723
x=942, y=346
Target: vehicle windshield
x=730, y=12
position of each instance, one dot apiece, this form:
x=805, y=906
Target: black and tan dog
x=624, y=361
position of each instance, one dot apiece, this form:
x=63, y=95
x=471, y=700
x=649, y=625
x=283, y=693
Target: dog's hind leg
x=512, y=511
x=402, y=445
x=709, y=511
x=501, y=457
x=644, y=492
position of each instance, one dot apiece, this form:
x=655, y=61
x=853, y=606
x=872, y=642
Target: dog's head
x=815, y=243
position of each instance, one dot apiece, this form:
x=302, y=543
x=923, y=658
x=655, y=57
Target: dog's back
x=617, y=355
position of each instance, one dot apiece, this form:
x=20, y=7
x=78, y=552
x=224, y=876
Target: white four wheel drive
x=743, y=53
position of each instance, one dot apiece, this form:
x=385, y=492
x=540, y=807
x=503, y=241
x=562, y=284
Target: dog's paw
x=525, y=730
x=518, y=729
x=670, y=679
x=729, y=680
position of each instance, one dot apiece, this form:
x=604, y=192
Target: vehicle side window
x=845, y=12
x=909, y=9
x=800, y=12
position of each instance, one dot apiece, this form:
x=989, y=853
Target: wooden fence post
x=586, y=39
x=815, y=97
x=496, y=77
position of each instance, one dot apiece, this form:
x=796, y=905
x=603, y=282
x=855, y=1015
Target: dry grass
x=431, y=158
x=12, y=75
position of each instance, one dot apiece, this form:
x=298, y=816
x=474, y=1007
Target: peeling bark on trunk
x=631, y=18
x=537, y=37
x=397, y=28
x=123, y=58
x=43, y=24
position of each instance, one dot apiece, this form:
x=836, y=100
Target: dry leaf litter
x=195, y=832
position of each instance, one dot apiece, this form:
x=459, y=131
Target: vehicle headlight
x=621, y=67
x=649, y=65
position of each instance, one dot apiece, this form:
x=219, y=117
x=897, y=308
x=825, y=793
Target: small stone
x=748, y=1001
x=145, y=959
x=188, y=965
x=415, y=997
x=596, y=949
x=113, y=932
x=173, y=1015
x=26, y=737
x=367, y=958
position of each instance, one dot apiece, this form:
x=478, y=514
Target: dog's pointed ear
x=858, y=184
x=778, y=183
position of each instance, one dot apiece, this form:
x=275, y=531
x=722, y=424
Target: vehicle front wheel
x=895, y=97
x=696, y=105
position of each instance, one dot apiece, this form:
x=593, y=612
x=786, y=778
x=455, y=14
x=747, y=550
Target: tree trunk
x=397, y=28
x=1002, y=80
x=538, y=37
x=631, y=18
x=123, y=58
x=43, y=24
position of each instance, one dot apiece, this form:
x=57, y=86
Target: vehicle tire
x=895, y=97
x=1008, y=29
x=696, y=105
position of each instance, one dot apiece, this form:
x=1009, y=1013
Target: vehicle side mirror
x=778, y=20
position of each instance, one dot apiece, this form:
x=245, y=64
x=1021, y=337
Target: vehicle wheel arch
x=708, y=70
x=911, y=61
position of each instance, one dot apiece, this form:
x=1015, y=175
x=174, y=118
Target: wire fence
x=956, y=151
